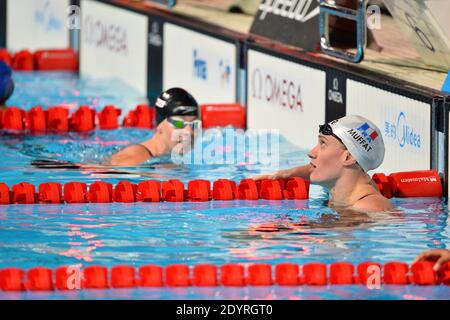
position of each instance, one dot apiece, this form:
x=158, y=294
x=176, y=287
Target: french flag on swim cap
x=368, y=132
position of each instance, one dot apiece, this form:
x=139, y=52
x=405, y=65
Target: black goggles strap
x=326, y=130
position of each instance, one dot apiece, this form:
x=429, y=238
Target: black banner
x=2, y=23
x=228, y=309
x=293, y=22
x=155, y=58
x=336, y=96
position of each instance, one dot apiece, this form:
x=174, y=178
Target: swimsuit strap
x=147, y=149
x=370, y=194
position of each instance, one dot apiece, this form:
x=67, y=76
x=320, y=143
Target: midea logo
x=299, y=10
x=403, y=132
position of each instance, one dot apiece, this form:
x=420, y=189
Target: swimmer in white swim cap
x=347, y=149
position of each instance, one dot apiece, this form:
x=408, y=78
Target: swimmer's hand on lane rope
x=438, y=256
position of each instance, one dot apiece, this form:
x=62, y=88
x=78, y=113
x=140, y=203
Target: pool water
x=215, y=232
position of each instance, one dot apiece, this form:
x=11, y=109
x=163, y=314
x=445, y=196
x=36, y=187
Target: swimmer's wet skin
x=176, y=109
x=347, y=149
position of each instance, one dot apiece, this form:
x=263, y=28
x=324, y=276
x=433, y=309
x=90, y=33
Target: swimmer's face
x=173, y=136
x=328, y=159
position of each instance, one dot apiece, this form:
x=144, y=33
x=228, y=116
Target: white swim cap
x=362, y=138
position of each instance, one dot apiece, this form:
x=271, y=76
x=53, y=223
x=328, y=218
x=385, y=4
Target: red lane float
x=43, y=60
x=271, y=190
x=56, y=59
x=5, y=194
x=142, y=117
x=36, y=119
x=366, y=271
x=221, y=115
x=444, y=274
x=423, y=273
x=314, y=274
x=234, y=275
x=95, y=277
x=205, y=275
x=149, y=191
x=199, y=190
x=24, y=193
x=57, y=119
x=50, y=192
x=14, y=119
x=125, y=191
x=151, y=276
x=123, y=277
x=100, y=192
x=23, y=61
x=6, y=57
x=108, y=118
x=341, y=273
x=39, y=279
x=426, y=183
x=145, y=116
x=287, y=274
x=297, y=189
x=12, y=279
x=75, y=192
x=260, y=274
x=177, y=275
x=248, y=190
x=224, y=189
x=67, y=278
x=83, y=119
x=396, y=273
x=173, y=191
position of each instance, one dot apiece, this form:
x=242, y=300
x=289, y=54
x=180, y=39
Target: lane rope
x=233, y=275
x=425, y=183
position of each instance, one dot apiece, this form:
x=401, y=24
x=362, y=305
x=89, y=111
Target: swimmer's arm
x=131, y=156
x=300, y=172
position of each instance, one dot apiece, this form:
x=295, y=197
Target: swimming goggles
x=180, y=123
x=326, y=130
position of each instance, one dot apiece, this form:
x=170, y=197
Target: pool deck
x=395, y=57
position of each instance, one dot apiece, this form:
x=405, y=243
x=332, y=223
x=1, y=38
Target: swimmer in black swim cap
x=177, y=114
x=6, y=84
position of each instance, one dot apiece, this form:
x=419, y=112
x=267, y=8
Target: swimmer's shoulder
x=373, y=203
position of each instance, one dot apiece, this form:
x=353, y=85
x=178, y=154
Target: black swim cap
x=175, y=102
x=6, y=82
